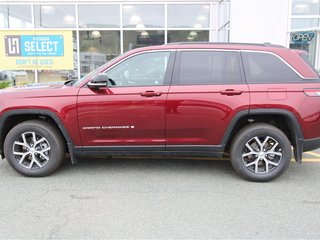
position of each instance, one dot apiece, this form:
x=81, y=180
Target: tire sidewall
x=45, y=130
x=260, y=130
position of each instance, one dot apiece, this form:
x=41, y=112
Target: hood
x=33, y=86
x=38, y=90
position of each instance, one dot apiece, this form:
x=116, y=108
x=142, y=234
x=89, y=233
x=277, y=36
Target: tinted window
x=209, y=67
x=267, y=68
x=146, y=69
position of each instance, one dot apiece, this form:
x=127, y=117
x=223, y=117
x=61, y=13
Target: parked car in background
x=6, y=75
x=15, y=76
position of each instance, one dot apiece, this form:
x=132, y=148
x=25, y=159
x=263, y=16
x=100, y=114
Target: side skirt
x=215, y=151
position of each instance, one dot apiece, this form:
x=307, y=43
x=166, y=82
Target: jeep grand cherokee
x=256, y=103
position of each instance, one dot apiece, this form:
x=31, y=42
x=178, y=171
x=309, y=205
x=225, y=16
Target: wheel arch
x=283, y=119
x=11, y=118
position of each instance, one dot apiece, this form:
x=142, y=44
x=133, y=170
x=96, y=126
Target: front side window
x=147, y=69
x=267, y=68
x=209, y=67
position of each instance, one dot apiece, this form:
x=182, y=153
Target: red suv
x=251, y=102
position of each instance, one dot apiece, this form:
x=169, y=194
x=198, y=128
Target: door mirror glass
x=98, y=81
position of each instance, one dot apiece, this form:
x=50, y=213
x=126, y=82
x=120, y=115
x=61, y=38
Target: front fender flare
x=41, y=112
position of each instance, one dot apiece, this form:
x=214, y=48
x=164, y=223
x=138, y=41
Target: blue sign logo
x=34, y=45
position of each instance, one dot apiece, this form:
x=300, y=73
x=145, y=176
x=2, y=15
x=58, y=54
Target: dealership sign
x=28, y=50
x=302, y=37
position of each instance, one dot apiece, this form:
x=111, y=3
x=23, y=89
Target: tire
x=33, y=160
x=260, y=152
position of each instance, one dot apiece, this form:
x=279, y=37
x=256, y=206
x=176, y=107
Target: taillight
x=312, y=92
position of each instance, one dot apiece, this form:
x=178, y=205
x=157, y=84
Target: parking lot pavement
x=312, y=156
x=159, y=198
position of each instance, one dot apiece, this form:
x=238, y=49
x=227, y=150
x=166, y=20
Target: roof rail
x=266, y=44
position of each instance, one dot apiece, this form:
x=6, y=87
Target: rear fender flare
x=298, y=135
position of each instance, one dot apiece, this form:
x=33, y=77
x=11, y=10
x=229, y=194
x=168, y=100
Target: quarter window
x=209, y=67
x=146, y=69
x=267, y=68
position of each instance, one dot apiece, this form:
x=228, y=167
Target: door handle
x=231, y=92
x=151, y=94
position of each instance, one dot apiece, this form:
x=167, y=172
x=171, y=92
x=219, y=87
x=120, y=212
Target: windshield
x=94, y=72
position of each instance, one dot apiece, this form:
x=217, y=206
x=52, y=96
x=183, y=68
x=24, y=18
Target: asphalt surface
x=160, y=199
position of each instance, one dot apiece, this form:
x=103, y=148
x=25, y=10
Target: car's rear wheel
x=260, y=152
x=34, y=148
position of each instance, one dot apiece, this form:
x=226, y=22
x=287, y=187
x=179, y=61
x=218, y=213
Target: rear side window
x=209, y=67
x=267, y=68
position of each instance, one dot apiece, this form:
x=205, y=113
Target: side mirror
x=98, y=81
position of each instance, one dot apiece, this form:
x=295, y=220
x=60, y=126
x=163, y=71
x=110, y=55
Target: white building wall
x=259, y=21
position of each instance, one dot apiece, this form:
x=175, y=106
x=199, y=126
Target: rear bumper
x=311, y=144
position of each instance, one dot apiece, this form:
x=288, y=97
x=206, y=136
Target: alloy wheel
x=31, y=150
x=262, y=155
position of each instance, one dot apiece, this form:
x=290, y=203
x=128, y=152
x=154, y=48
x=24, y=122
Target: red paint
x=160, y=115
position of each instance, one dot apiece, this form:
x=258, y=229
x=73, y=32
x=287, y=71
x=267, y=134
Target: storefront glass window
x=106, y=29
x=15, y=16
x=306, y=41
x=96, y=48
x=143, y=16
x=305, y=7
x=187, y=36
x=4, y=19
x=224, y=13
x=135, y=39
x=224, y=33
x=188, y=16
x=300, y=23
x=56, y=16
x=54, y=76
x=46, y=76
x=99, y=16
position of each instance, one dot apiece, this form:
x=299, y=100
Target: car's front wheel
x=34, y=148
x=260, y=152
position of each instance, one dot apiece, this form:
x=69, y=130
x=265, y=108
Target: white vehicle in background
x=14, y=76
x=6, y=75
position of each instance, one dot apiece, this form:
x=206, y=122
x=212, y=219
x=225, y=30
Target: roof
x=226, y=43
x=214, y=45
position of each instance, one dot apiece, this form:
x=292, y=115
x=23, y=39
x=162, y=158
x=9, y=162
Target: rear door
x=207, y=92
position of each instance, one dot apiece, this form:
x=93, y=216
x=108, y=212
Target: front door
x=130, y=112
